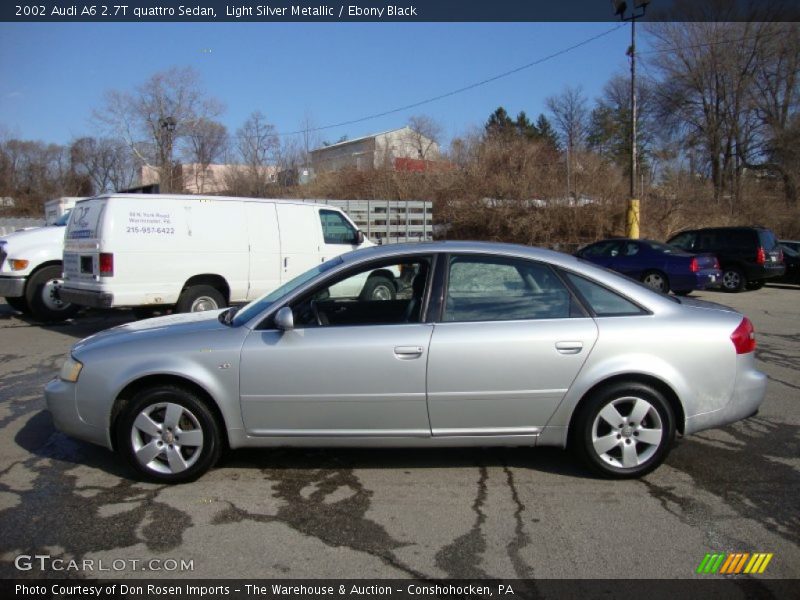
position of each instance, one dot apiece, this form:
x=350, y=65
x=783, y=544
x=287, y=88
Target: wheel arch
x=659, y=384
x=383, y=273
x=132, y=388
x=214, y=280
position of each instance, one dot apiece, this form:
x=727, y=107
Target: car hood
x=34, y=237
x=171, y=326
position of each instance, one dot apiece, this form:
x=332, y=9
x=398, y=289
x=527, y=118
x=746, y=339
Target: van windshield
x=260, y=304
x=63, y=219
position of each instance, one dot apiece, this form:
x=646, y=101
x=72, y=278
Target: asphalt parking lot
x=504, y=513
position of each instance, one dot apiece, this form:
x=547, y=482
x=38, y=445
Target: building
x=214, y=179
x=388, y=149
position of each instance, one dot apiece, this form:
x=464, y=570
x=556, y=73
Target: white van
x=198, y=253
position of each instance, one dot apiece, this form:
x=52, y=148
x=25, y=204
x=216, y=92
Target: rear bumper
x=87, y=298
x=12, y=287
x=766, y=271
x=748, y=394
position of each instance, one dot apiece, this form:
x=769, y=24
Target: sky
x=52, y=75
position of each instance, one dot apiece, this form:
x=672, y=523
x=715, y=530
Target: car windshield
x=260, y=304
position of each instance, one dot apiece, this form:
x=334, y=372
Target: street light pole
x=620, y=8
x=167, y=125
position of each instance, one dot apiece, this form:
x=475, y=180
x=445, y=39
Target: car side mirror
x=284, y=319
x=359, y=238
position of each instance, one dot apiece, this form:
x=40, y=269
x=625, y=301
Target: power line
x=460, y=90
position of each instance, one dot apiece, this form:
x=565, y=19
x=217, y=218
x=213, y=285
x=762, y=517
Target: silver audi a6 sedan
x=482, y=345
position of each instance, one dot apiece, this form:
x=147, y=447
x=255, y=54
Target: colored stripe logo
x=735, y=563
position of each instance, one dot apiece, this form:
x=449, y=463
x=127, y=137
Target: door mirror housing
x=359, y=239
x=284, y=319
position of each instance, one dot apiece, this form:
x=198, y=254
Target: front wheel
x=625, y=430
x=168, y=434
x=42, y=296
x=198, y=298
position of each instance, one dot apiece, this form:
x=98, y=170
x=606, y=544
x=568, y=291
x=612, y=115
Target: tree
x=546, y=133
x=571, y=115
x=258, y=148
x=158, y=115
x=499, y=123
x=106, y=163
x=206, y=142
x=425, y=136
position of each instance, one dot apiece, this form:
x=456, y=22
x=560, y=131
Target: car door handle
x=406, y=352
x=569, y=347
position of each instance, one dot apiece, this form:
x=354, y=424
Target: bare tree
x=205, y=143
x=570, y=111
x=107, y=163
x=425, y=136
x=258, y=149
x=158, y=115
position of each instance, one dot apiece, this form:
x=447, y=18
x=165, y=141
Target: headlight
x=70, y=370
x=18, y=264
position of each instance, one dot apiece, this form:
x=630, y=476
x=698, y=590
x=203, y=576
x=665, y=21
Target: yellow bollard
x=632, y=219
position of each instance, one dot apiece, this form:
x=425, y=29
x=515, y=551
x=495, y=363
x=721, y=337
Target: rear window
x=85, y=221
x=768, y=239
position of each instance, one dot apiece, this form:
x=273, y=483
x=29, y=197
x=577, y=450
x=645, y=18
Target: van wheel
x=168, y=434
x=198, y=298
x=18, y=304
x=378, y=288
x=41, y=296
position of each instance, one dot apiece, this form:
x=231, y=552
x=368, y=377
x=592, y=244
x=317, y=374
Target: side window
x=630, y=249
x=387, y=293
x=684, y=241
x=499, y=289
x=335, y=228
x=603, y=301
x=600, y=249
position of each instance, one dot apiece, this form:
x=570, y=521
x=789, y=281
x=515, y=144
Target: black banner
x=395, y=11
x=398, y=589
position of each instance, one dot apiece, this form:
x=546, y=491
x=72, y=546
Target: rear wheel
x=733, y=280
x=656, y=280
x=378, y=288
x=18, y=303
x=199, y=298
x=41, y=296
x=168, y=434
x=625, y=430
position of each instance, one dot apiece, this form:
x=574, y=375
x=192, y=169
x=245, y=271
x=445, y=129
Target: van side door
x=300, y=238
x=265, y=248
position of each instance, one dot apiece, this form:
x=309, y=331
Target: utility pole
x=638, y=8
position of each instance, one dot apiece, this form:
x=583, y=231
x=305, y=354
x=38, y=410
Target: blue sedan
x=661, y=266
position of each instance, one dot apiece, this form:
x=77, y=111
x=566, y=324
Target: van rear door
x=81, y=241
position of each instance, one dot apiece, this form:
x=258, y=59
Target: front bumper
x=88, y=298
x=12, y=287
x=62, y=402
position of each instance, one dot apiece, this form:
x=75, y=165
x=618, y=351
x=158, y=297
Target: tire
x=378, y=288
x=41, y=296
x=755, y=285
x=197, y=298
x=682, y=292
x=605, y=447
x=18, y=303
x=656, y=280
x=733, y=280
x=151, y=424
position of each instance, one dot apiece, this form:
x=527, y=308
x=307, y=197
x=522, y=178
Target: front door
x=350, y=367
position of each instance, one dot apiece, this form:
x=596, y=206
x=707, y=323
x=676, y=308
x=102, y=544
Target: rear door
x=81, y=244
x=510, y=343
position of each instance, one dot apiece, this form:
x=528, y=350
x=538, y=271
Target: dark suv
x=748, y=256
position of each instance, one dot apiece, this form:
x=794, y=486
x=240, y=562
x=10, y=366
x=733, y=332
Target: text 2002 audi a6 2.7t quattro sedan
x=485, y=345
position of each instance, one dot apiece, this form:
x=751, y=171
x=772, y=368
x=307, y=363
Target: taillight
x=744, y=337
x=780, y=255
x=694, y=266
x=106, y=264
x=761, y=256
